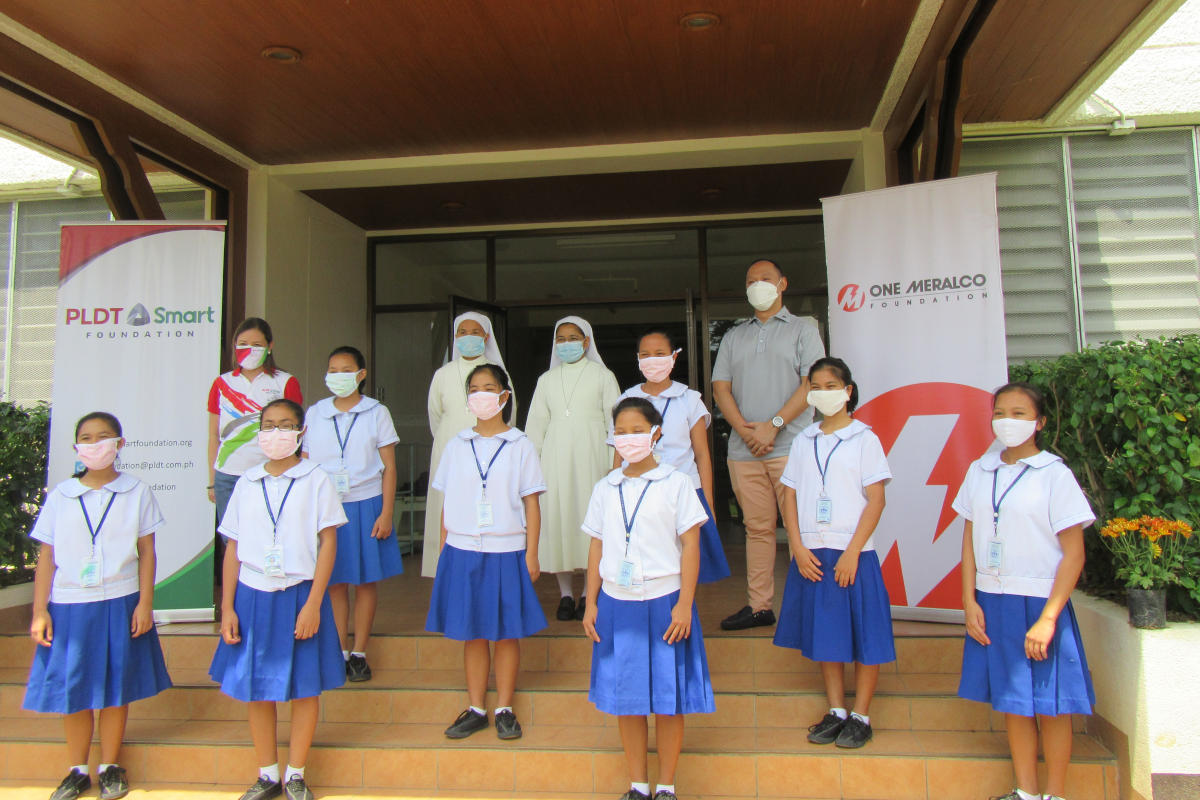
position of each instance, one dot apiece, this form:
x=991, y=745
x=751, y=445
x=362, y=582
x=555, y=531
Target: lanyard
x=824, y=468
x=483, y=474
x=624, y=517
x=337, y=432
x=275, y=518
x=996, y=503
x=96, y=530
x=664, y=411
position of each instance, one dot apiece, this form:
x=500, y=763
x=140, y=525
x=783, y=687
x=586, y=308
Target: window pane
x=429, y=272
x=798, y=249
x=5, y=311
x=616, y=265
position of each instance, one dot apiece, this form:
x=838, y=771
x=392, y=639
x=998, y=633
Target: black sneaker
x=748, y=618
x=468, y=722
x=114, y=783
x=581, y=607
x=263, y=789
x=507, y=726
x=634, y=794
x=827, y=730
x=566, y=609
x=855, y=733
x=663, y=794
x=297, y=789
x=1013, y=795
x=357, y=669
x=75, y=784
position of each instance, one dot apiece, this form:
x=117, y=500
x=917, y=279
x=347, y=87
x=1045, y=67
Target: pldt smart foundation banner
x=916, y=310
x=138, y=335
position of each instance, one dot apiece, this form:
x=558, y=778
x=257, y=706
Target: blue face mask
x=570, y=352
x=470, y=345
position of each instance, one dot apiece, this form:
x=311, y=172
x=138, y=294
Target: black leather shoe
x=468, y=722
x=581, y=607
x=263, y=789
x=748, y=618
x=75, y=784
x=566, y=609
x=297, y=789
x=114, y=783
x=507, y=726
x=357, y=669
x=634, y=794
x=827, y=730
x=855, y=733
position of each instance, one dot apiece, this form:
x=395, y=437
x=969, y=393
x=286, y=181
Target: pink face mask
x=97, y=455
x=635, y=447
x=657, y=368
x=278, y=444
x=485, y=405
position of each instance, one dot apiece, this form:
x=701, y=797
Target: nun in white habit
x=570, y=417
x=474, y=344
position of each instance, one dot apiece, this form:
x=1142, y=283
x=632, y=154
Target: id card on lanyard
x=273, y=559
x=625, y=576
x=995, y=553
x=341, y=476
x=483, y=510
x=91, y=572
x=824, y=502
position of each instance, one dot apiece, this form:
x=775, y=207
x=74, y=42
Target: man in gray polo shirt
x=760, y=383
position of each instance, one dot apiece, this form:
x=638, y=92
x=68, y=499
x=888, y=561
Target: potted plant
x=1149, y=554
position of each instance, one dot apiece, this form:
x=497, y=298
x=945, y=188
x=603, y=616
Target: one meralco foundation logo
x=920, y=292
x=115, y=322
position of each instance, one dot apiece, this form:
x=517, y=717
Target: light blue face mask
x=569, y=352
x=470, y=345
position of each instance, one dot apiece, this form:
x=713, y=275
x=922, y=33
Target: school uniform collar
x=658, y=473
x=676, y=389
x=991, y=461
x=258, y=472
x=783, y=315
x=510, y=435
x=327, y=410
x=74, y=487
x=849, y=432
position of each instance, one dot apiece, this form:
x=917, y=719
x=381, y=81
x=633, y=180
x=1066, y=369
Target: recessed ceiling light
x=453, y=205
x=711, y=193
x=699, y=21
x=281, y=54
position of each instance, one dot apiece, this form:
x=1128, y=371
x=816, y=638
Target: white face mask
x=343, y=384
x=828, y=401
x=762, y=294
x=1013, y=432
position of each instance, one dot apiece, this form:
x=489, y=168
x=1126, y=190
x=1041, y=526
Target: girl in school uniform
x=474, y=344
x=483, y=591
x=278, y=638
x=353, y=439
x=235, y=402
x=93, y=600
x=1022, y=554
x=835, y=606
x=684, y=440
x=568, y=425
x=648, y=652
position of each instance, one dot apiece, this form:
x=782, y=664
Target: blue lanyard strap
x=996, y=503
x=824, y=468
x=483, y=474
x=338, y=433
x=628, y=520
x=275, y=518
x=96, y=530
x=664, y=411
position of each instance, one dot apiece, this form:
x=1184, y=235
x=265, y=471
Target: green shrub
x=24, y=439
x=1124, y=417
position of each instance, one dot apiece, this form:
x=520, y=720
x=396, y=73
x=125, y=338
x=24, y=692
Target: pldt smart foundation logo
x=115, y=322
x=920, y=292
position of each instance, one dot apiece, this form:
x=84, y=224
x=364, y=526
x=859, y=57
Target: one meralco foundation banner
x=138, y=334
x=916, y=310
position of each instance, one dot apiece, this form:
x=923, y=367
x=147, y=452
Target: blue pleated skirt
x=361, y=558
x=270, y=663
x=826, y=622
x=93, y=661
x=635, y=672
x=483, y=596
x=713, y=566
x=1001, y=675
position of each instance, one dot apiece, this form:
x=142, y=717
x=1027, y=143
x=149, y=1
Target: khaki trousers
x=760, y=494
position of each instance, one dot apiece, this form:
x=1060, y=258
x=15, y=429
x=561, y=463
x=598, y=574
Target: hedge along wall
x=1124, y=417
x=24, y=433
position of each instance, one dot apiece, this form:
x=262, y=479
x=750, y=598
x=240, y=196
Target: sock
x=101, y=767
x=1027, y=796
x=665, y=787
x=479, y=711
x=840, y=713
x=863, y=718
x=359, y=653
x=295, y=772
x=270, y=772
x=644, y=788
x=502, y=709
x=80, y=768
x=564, y=584
x=345, y=655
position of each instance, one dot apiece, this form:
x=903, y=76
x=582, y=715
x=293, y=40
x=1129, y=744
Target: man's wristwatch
x=777, y=421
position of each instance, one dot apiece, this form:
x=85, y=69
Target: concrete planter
x=1147, y=705
x=20, y=594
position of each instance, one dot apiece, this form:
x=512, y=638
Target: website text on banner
x=138, y=334
x=916, y=310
